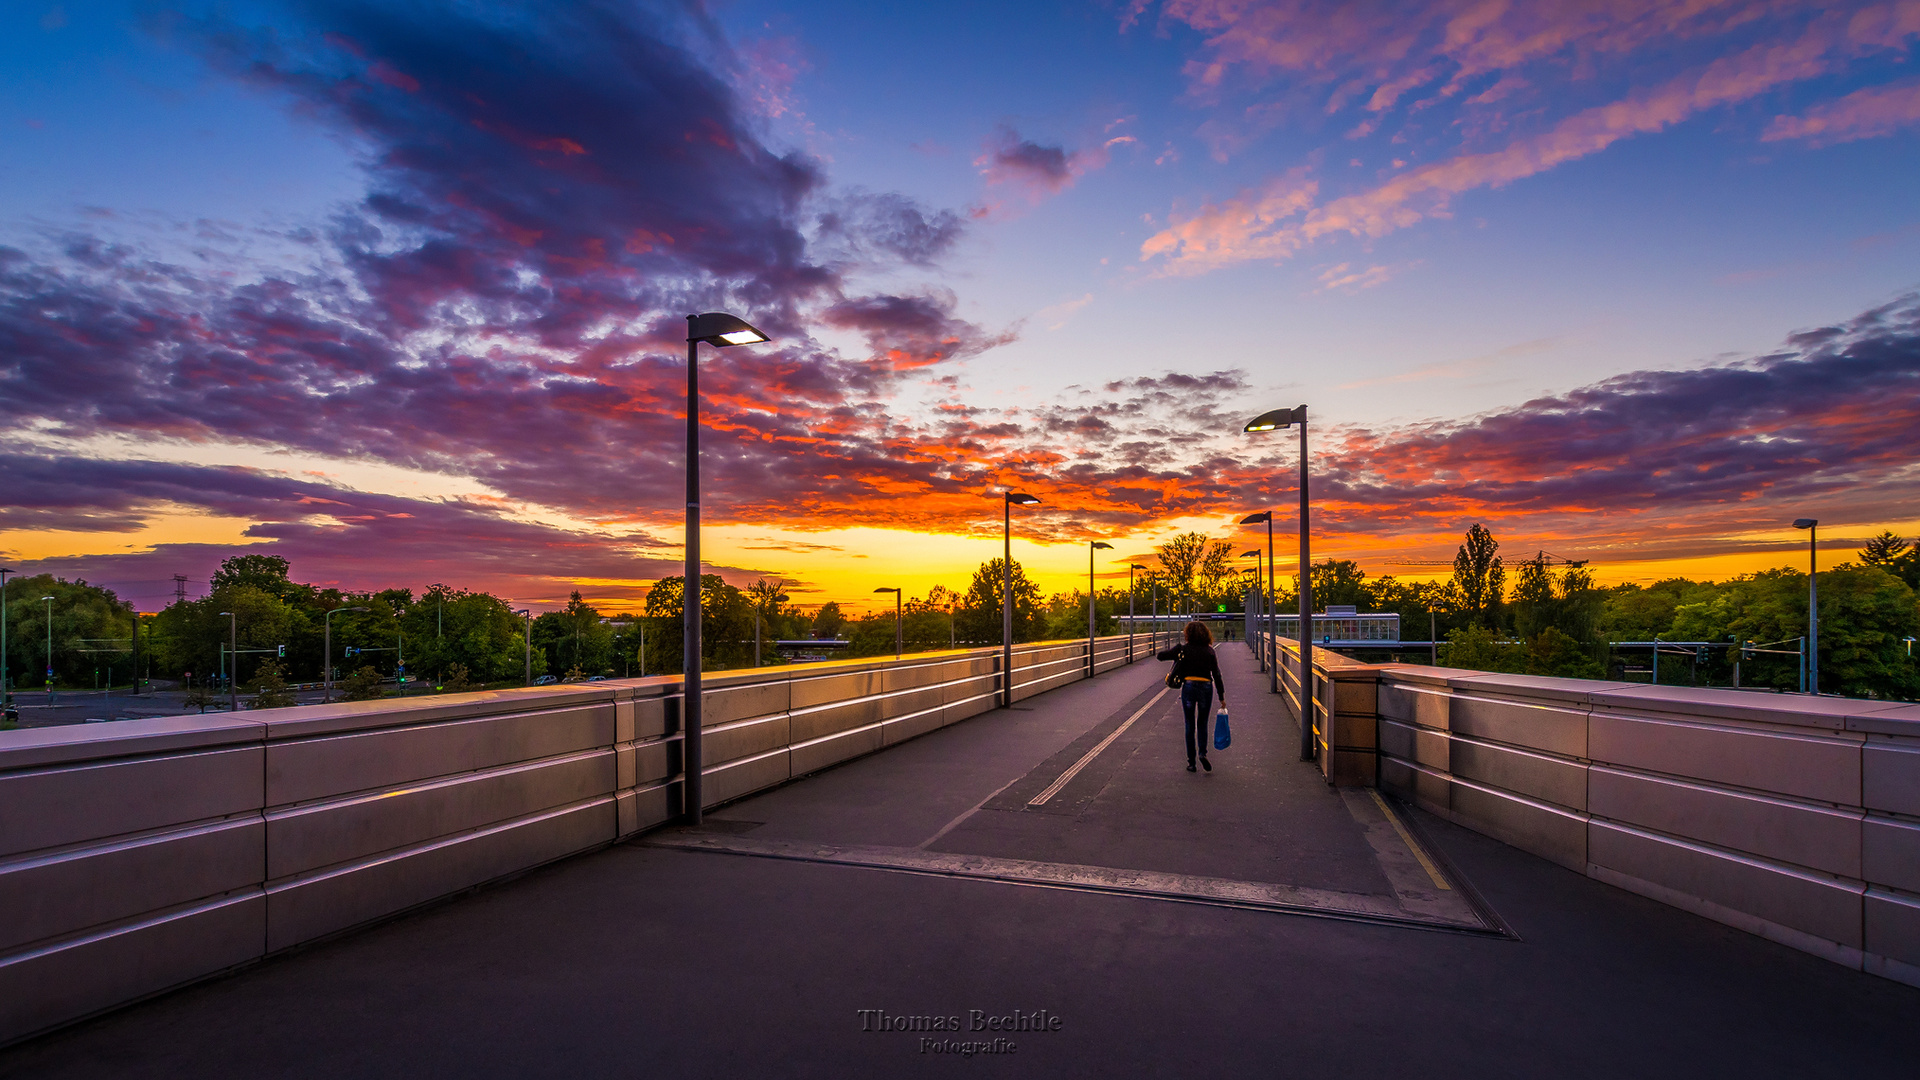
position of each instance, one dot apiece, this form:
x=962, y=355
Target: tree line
x=1533, y=616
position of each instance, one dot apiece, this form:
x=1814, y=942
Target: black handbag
x=1174, y=678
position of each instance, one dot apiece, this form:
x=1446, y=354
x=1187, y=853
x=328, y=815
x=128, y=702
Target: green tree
x=267, y=573
x=269, y=688
x=1479, y=576
x=1894, y=555
x=1476, y=648
x=1553, y=652
x=980, y=617
x=362, y=685
x=1217, y=577
x=458, y=680
x=1180, y=561
x=828, y=622
x=1339, y=581
x=92, y=632
x=726, y=619
x=1533, y=599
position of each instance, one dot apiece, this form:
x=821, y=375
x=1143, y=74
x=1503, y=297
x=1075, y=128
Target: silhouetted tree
x=1479, y=575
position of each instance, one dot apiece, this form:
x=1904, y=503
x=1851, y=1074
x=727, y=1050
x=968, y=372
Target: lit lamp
x=1280, y=419
x=719, y=329
x=1010, y=499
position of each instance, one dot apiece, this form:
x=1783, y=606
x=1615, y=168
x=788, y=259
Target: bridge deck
x=1250, y=921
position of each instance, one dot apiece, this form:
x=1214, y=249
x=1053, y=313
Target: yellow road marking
x=1407, y=839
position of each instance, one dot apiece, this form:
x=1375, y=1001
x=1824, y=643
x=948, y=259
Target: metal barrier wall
x=1790, y=816
x=141, y=855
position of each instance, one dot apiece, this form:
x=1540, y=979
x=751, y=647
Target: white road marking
x=1054, y=788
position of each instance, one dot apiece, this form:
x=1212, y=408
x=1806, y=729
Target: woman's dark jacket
x=1197, y=662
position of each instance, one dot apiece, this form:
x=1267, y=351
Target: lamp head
x=1135, y=566
x=886, y=590
x=1277, y=419
x=227, y=613
x=1805, y=523
x=1255, y=519
x=720, y=328
x=1254, y=554
x=1019, y=498
x=1103, y=544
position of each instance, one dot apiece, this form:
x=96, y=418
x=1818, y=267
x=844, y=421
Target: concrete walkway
x=1247, y=922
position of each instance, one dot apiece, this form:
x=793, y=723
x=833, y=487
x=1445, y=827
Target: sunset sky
x=396, y=290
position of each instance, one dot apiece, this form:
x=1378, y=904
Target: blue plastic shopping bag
x=1222, y=736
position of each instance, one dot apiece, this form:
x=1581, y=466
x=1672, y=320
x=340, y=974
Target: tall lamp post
x=1272, y=669
x=1092, y=607
x=49, y=601
x=898, y=639
x=1009, y=500
x=1131, y=567
x=1255, y=556
x=1280, y=419
x=1812, y=525
x=327, y=623
x=6, y=670
x=718, y=329
x=233, y=650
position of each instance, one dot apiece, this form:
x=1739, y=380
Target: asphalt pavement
x=933, y=910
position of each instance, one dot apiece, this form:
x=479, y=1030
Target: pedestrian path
x=1101, y=801
x=1157, y=914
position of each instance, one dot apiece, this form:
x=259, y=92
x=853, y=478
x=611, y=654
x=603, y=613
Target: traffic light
x=283, y=650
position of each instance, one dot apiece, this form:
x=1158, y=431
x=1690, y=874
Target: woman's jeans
x=1196, y=702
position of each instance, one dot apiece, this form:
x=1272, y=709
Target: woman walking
x=1198, y=672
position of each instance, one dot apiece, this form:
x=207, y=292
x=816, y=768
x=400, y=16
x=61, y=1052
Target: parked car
x=546, y=680
x=597, y=678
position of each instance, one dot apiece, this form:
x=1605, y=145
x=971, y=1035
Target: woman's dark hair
x=1198, y=634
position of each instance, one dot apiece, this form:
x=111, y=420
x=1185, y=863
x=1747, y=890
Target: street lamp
x=1092, y=610
x=49, y=601
x=718, y=329
x=233, y=653
x=1131, y=567
x=328, y=661
x=1812, y=525
x=1009, y=500
x=1255, y=556
x=897, y=641
x=1279, y=419
x=1272, y=669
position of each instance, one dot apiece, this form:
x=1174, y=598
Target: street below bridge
x=1047, y=889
